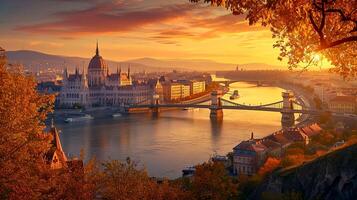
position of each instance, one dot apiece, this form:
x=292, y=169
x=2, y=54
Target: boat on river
x=116, y=115
x=235, y=95
x=79, y=118
x=191, y=109
x=188, y=171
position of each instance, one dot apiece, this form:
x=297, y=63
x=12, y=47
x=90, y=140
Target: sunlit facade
x=175, y=91
x=198, y=87
x=343, y=104
x=100, y=88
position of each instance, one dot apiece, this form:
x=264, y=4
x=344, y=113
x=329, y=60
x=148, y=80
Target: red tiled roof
x=311, y=130
x=279, y=138
x=295, y=135
x=270, y=143
x=250, y=145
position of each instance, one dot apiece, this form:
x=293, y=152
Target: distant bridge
x=287, y=107
x=228, y=82
x=226, y=104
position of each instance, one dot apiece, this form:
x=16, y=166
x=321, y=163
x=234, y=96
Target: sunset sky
x=127, y=29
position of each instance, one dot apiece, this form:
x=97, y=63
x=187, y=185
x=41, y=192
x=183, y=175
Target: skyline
x=130, y=29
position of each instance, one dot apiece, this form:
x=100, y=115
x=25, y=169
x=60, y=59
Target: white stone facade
x=99, y=88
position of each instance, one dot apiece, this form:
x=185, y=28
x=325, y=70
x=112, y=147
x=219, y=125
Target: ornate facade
x=100, y=88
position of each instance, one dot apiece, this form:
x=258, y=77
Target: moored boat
x=235, y=95
x=188, y=171
x=191, y=109
x=115, y=115
x=79, y=118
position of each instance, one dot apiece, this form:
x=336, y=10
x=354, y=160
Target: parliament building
x=100, y=88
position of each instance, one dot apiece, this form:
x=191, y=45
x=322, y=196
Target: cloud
x=165, y=24
x=199, y=28
x=45, y=43
x=106, y=17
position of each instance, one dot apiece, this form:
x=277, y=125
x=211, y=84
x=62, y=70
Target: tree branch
x=343, y=16
x=322, y=24
x=339, y=42
x=316, y=28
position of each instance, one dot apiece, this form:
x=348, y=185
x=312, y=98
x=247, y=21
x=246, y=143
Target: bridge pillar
x=155, y=110
x=287, y=114
x=216, y=106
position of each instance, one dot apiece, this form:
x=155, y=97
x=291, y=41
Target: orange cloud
x=106, y=18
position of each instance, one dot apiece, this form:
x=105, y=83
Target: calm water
x=176, y=139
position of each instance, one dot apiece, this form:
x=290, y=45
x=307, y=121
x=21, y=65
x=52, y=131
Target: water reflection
x=175, y=139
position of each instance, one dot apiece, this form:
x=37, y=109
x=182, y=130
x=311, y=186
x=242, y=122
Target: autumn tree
x=269, y=165
x=122, y=180
x=304, y=29
x=76, y=181
x=25, y=173
x=22, y=141
x=211, y=181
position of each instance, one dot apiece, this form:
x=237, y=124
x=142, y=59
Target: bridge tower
x=155, y=105
x=288, y=118
x=216, y=105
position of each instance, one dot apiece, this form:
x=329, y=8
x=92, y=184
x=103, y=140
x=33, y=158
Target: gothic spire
x=83, y=70
x=65, y=73
x=97, y=50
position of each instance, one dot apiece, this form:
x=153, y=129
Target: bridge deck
x=255, y=108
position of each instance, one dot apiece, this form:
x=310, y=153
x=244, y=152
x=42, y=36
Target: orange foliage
x=211, y=181
x=24, y=172
x=22, y=141
x=124, y=181
x=269, y=165
x=291, y=160
x=303, y=28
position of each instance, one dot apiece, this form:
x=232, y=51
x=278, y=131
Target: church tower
x=56, y=157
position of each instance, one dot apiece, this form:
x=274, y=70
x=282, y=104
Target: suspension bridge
x=288, y=106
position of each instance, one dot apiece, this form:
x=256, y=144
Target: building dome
x=97, y=62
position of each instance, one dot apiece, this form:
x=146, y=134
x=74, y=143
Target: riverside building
x=100, y=88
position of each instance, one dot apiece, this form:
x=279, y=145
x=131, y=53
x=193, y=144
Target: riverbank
x=305, y=99
x=176, y=139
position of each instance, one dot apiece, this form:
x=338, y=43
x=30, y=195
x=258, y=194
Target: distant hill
x=201, y=64
x=34, y=61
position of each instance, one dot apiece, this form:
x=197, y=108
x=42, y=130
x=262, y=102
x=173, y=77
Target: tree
x=305, y=29
x=269, y=165
x=123, y=181
x=211, y=181
x=22, y=140
x=73, y=182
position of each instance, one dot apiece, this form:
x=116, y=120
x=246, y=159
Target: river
x=177, y=138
